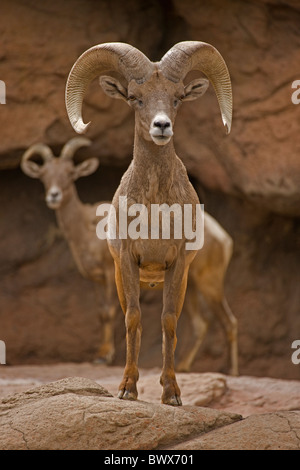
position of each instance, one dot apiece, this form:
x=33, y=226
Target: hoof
x=126, y=395
x=173, y=401
x=106, y=359
x=234, y=372
x=100, y=360
x=183, y=367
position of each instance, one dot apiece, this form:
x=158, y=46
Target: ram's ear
x=195, y=89
x=113, y=88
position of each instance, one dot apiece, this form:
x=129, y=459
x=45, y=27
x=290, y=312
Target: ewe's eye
x=131, y=98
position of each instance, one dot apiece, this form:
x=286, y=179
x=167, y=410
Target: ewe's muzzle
x=54, y=197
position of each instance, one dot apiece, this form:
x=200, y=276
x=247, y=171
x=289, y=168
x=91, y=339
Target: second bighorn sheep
x=206, y=283
x=155, y=176
x=77, y=222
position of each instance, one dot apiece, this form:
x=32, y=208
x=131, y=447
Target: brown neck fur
x=70, y=215
x=153, y=168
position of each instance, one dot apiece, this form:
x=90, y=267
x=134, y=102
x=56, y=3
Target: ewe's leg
x=198, y=326
x=106, y=351
x=129, y=289
x=231, y=328
x=229, y=323
x=174, y=292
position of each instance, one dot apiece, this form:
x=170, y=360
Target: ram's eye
x=177, y=101
x=131, y=98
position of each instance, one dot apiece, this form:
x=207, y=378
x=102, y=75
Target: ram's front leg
x=127, y=278
x=174, y=292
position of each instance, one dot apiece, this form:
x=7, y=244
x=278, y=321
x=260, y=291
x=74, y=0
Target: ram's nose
x=161, y=129
x=162, y=124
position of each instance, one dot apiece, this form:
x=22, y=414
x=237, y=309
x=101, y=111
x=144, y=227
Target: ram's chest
x=152, y=188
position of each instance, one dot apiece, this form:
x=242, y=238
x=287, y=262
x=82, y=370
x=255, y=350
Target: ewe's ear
x=31, y=169
x=195, y=89
x=86, y=168
x=113, y=88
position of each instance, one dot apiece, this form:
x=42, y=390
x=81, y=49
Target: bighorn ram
x=155, y=176
x=77, y=222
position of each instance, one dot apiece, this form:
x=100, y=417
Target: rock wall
x=249, y=180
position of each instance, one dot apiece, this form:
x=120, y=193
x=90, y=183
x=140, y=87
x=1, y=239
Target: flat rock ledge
x=77, y=413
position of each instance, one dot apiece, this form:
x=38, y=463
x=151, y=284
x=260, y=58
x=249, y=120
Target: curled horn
x=38, y=149
x=96, y=61
x=195, y=55
x=70, y=147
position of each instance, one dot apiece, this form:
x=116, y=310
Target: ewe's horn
x=96, y=61
x=70, y=147
x=38, y=149
x=195, y=55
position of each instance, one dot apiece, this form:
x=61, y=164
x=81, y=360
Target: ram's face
x=156, y=103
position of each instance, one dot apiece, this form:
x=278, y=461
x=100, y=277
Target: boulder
x=79, y=414
x=272, y=431
x=249, y=180
x=196, y=389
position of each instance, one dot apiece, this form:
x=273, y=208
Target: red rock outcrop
x=78, y=413
x=249, y=180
